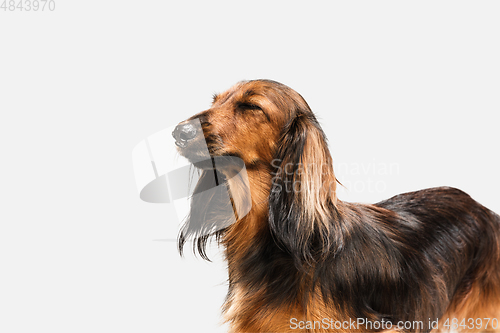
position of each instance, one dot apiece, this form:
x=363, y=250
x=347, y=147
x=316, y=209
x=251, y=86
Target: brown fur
x=305, y=254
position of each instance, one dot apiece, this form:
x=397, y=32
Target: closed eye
x=249, y=106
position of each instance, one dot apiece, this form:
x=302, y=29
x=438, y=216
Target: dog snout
x=184, y=133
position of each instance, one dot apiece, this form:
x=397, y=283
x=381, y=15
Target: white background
x=394, y=83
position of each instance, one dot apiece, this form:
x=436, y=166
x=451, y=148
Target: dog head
x=271, y=130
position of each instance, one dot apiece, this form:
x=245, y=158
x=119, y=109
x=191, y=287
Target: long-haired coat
x=303, y=261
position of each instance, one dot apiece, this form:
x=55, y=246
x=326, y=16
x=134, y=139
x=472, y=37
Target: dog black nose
x=184, y=133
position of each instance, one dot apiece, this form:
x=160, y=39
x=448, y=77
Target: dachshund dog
x=301, y=260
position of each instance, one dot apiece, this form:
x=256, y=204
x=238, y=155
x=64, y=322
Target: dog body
x=303, y=261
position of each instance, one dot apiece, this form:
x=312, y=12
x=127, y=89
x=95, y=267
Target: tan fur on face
x=305, y=254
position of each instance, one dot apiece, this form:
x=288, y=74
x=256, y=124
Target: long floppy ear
x=302, y=202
